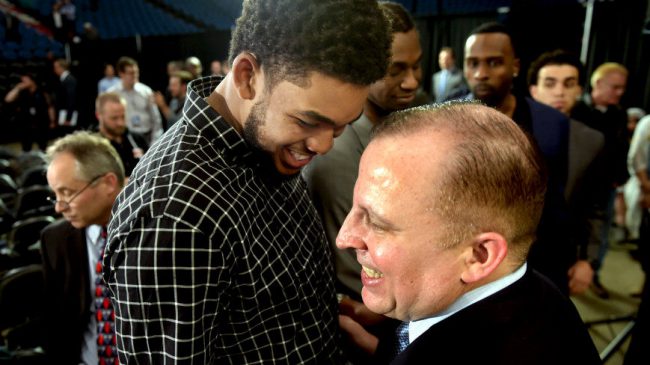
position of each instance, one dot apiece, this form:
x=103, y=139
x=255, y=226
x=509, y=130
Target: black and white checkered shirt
x=211, y=260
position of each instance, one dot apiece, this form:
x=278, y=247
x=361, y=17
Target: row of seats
x=220, y=15
x=27, y=43
x=125, y=18
x=24, y=211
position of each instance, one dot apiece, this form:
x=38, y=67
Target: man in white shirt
x=142, y=116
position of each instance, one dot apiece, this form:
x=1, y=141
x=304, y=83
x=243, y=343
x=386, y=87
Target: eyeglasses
x=65, y=204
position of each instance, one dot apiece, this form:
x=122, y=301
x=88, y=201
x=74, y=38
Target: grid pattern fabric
x=214, y=259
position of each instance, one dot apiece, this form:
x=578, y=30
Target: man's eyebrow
x=378, y=220
x=313, y=115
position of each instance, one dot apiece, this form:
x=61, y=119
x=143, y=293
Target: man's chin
x=285, y=170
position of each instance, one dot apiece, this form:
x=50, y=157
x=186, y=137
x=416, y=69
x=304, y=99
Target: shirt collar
x=200, y=115
x=416, y=328
x=64, y=74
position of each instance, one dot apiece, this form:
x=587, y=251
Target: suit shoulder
x=58, y=227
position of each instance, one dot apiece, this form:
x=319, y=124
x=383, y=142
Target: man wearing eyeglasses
x=86, y=174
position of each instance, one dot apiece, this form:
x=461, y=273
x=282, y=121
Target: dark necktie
x=401, y=337
x=104, y=309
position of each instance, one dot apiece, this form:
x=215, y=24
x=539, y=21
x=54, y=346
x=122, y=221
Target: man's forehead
x=489, y=45
x=562, y=71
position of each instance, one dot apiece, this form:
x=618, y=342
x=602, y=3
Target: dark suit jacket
x=530, y=322
x=66, y=96
x=554, y=251
x=67, y=286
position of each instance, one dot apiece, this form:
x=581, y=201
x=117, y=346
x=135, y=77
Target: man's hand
x=359, y=312
x=580, y=277
x=353, y=318
x=138, y=152
x=357, y=335
x=159, y=99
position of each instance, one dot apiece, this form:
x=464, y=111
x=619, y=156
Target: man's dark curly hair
x=345, y=39
x=557, y=57
x=399, y=18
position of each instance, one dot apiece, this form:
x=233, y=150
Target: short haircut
x=494, y=27
x=184, y=76
x=94, y=155
x=448, y=50
x=348, y=40
x=62, y=63
x=557, y=57
x=125, y=62
x=494, y=178
x=605, y=69
x=399, y=18
x=103, y=98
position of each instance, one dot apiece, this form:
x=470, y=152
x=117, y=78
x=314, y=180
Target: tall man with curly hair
x=215, y=253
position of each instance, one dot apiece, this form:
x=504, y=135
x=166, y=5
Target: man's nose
x=349, y=235
x=322, y=141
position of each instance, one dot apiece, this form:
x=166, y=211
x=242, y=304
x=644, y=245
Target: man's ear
x=517, y=67
x=112, y=182
x=488, y=250
x=533, y=91
x=245, y=73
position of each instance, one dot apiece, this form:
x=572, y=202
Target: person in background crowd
x=142, y=116
x=554, y=79
x=177, y=89
x=65, y=97
x=109, y=80
x=600, y=109
x=216, y=69
x=448, y=83
x=193, y=65
x=34, y=113
x=86, y=175
x=110, y=110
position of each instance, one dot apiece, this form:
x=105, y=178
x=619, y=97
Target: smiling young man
x=216, y=254
x=86, y=174
x=443, y=242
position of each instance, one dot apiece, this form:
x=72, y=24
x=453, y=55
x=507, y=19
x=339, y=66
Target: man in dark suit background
x=554, y=79
x=444, y=250
x=448, y=83
x=65, y=97
x=86, y=175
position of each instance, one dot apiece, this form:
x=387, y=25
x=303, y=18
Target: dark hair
x=556, y=57
x=62, y=63
x=125, y=62
x=399, y=18
x=344, y=39
x=494, y=27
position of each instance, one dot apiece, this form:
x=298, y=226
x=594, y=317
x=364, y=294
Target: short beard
x=253, y=126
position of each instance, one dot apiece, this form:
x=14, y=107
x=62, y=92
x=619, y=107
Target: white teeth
x=372, y=273
x=299, y=156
